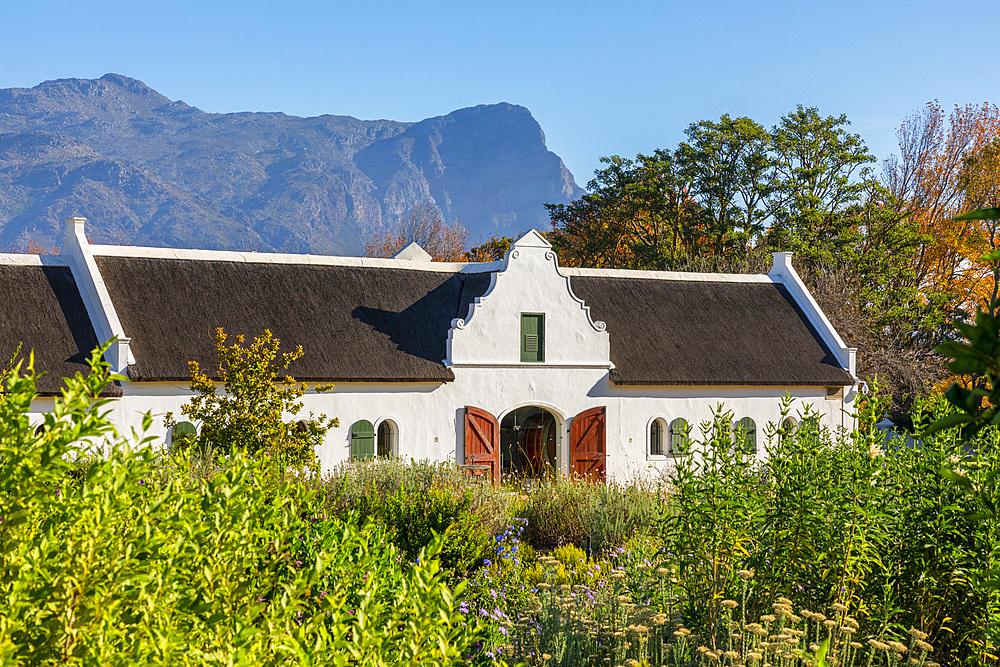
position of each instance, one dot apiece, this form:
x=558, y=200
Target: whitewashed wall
x=429, y=417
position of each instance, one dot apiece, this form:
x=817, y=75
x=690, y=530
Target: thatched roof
x=355, y=324
x=687, y=332
x=41, y=308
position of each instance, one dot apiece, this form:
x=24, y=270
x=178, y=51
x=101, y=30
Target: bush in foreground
x=121, y=557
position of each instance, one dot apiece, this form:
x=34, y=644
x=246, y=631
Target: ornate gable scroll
x=529, y=283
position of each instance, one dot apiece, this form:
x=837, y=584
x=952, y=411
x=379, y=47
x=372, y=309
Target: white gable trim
x=784, y=273
x=18, y=259
x=670, y=275
x=77, y=250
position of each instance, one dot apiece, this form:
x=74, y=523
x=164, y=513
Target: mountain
x=147, y=170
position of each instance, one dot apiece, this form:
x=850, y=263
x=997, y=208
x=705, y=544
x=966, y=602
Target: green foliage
x=979, y=408
x=977, y=356
x=708, y=530
x=567, y=511
x=249, y=415
x=419, y=499
x=815, y=159
x=839, y=518
x=414, y=516
x=726, y=163
x=492, y=250
x=110, y=555
x=735, y=191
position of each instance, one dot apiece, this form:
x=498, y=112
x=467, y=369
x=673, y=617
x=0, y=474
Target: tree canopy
x=886, y=254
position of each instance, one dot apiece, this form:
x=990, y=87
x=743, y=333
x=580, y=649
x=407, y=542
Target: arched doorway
x=529, y=442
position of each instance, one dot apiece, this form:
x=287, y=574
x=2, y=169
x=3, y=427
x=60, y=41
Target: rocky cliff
x=150, y=171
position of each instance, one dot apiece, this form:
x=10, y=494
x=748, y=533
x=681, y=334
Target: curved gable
x=530, y=283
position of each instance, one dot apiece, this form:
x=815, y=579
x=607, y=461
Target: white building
x=509, y=365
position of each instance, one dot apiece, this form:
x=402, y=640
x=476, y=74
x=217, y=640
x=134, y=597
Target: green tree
x=813, y=183
x=734, y=191
x=249, y=416
x=727, y=163
x=492, y=250
x=637, y=214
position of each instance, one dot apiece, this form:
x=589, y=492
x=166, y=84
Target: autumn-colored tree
x=948, y=165
x=423, y=225
x=36, y=248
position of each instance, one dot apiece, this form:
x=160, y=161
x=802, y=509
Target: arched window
x=680, y=437
x=657, y=431
x=362, y=440
x=788, y=427
x=182, y=434
x=746, y=435
x=386, y=439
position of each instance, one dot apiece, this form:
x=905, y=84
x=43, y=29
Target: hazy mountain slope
x=148, y=170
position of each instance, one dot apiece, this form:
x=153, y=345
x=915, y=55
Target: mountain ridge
x=153, y=171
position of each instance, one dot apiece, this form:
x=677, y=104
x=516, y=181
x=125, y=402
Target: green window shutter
x=362, y=440
x=746, y=435
x=680, y=440
x=532, y=337
x=184, y=433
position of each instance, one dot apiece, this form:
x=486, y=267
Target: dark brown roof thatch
x=355, y=324
x=41, y=309
x=685, y=332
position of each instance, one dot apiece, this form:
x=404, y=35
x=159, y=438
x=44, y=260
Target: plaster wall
x=430, y=417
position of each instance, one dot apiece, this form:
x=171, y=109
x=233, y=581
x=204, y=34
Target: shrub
x=133, y=561
x=249, y=415
x=591, y=515
x=419, y=499
x=552, y=507
x=414, y=517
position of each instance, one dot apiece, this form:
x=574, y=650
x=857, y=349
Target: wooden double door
x=587, y=443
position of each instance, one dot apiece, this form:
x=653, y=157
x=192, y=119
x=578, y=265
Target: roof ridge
x=668, y=275
x=195, y=254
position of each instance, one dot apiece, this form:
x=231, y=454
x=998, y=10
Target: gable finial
x=414, y=253
x=76, y=235
x=531, y=239
x=781, y=264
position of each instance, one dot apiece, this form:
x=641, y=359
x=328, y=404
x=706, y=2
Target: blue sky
x=601, y=78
